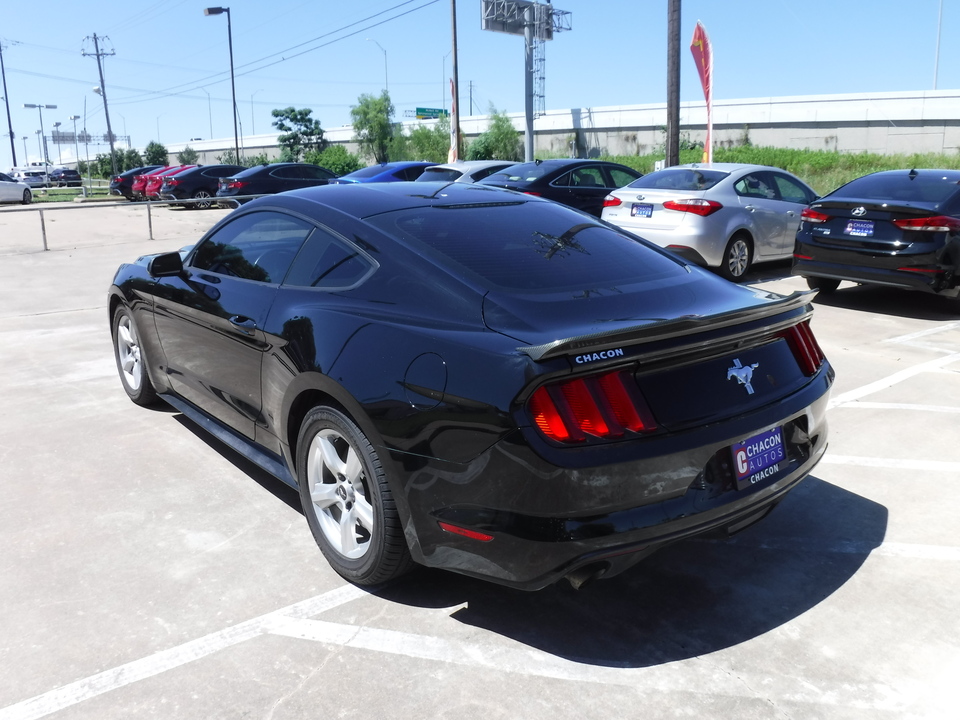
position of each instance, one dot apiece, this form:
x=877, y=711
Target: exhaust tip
x=581, y=577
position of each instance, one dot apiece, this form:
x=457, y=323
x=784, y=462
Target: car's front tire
x=131, y=360
x=346, y=500
x=737, y=257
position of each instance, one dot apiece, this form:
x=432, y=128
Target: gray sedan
x=724, y=216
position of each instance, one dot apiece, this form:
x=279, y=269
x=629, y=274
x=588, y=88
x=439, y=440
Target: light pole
x=386, y=81
x=443, y=82
x=40, y=147
x=158, y=125
x=253, y=127
x=125, y=130
x=76, y=145
x=25, y=160
x=40, y=108
x=209, y=113
x=233, y=88
x=56, y=138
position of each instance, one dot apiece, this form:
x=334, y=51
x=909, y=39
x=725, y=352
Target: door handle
x=243, y=324
x=751, y=208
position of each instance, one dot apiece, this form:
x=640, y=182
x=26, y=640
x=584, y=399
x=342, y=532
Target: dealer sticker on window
x=758, y=457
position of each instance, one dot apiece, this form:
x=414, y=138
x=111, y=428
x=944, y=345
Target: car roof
x=362, y=200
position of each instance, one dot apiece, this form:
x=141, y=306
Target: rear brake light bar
x=697, y=206
x=601, y=406
x=805, y=347
x=812, y=216
x=937, y=223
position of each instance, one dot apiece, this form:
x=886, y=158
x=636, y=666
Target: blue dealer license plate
x=641, y=210
x=859, y=228
x=758, y=457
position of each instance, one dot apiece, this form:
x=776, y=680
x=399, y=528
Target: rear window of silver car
x=689, y=179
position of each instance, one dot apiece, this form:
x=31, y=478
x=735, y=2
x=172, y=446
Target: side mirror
x=165, y=265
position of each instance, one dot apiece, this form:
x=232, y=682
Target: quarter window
x=329, y=263
x=257, y=246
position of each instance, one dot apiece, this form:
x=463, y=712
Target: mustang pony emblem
x=743, y=374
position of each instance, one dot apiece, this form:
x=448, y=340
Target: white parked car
x=13, y=191
x=32, y=177
x=725, y=216
x=468, y=171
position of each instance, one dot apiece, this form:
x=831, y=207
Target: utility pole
x=455, y=106
x=97, y=53
x=673, y=83
x=6, y=99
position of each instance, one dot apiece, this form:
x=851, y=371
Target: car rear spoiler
x=667, y=329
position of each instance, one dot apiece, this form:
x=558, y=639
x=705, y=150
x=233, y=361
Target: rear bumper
x=624, y=511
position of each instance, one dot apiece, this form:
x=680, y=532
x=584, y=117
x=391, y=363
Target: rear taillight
x=937, y=223
x=812, y=216
x=173, y=182
x=235, y=184
x=116, y=179
x=602, y=406
x=612, y=201
x=531, y=192
x=804, y=347
x=697, y=206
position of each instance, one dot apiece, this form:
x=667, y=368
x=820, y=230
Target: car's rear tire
x=824, y=285
x=737, y=257
x=204, y=197
x=131, y=360
x=27, y=197
x=346, y=500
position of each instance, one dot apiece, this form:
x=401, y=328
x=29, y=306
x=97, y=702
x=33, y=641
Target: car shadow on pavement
x=689, y=599
x=892, y=301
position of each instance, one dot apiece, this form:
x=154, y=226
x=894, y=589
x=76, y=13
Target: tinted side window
x=620, y=177
x=590, y=176
x=328, y=262
x=565, y=180
x=258, y=246
x=410, y=173
x=6, y=178
x=288, y=172
x=791, y=190
x=317, y=173
x=753, y=185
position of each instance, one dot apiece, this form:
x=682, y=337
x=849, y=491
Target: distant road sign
x=431, y=113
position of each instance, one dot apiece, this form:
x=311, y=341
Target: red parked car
x=138, y=189
x=152, y=187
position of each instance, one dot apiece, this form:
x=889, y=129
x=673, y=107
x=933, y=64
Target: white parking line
x=76, y=692
x=892, y=380
x=944, y=466
x=865, y=405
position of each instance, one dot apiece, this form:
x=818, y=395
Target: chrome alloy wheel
x=339, y=495
x=128, y=352
x=738, y=257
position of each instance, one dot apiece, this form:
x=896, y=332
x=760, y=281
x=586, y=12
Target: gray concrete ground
x=147, y=571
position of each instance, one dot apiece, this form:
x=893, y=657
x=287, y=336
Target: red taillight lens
x=804, y=347
x=937, y=223
x=697, y=206
x=171, y=181
x=812, y=216
x=604, y=406
x=612, y=201
x=235, y=184
x=531, y=192
x=116, y=179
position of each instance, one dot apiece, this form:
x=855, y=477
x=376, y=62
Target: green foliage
x=373, y=125
x=430, y=143
x=155, y=154
x=188, y=156
x=300, y=132
x=132, y=159
x=335, y=158
x=500, y=141
x=253, y=160
x=823, y=170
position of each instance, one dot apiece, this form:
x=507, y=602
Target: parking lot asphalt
x=147, y=571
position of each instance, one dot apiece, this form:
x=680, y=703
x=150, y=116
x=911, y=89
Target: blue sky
x=169, y=76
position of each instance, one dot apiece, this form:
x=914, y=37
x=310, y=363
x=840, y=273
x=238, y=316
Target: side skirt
x=264, y=459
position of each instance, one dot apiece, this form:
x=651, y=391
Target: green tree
x=335, y=158
x=430, y=143
x=300, y=132
x=373, y=125
x=188, y=156
x=132, y=159
x=155, y=154
x=500, y=141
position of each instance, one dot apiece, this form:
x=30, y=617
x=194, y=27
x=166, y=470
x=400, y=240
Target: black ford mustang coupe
x=472, y=379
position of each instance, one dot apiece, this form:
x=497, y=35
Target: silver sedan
x=724, y=216
x=13, y=191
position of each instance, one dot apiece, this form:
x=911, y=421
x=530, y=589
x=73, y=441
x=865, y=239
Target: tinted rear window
x=523, y=173
x=689, y=179
x=528, y=247
x=925, y=187
x=367, y=171
x=439, y=175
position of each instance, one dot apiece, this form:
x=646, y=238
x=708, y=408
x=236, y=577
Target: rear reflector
x=531, y=192
x=697, y=206
x=931, y=271
x=472, y=534
x=812, y=216
x=602, y=406
x=937, y=223
x=612, y=201
x=804, y=347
